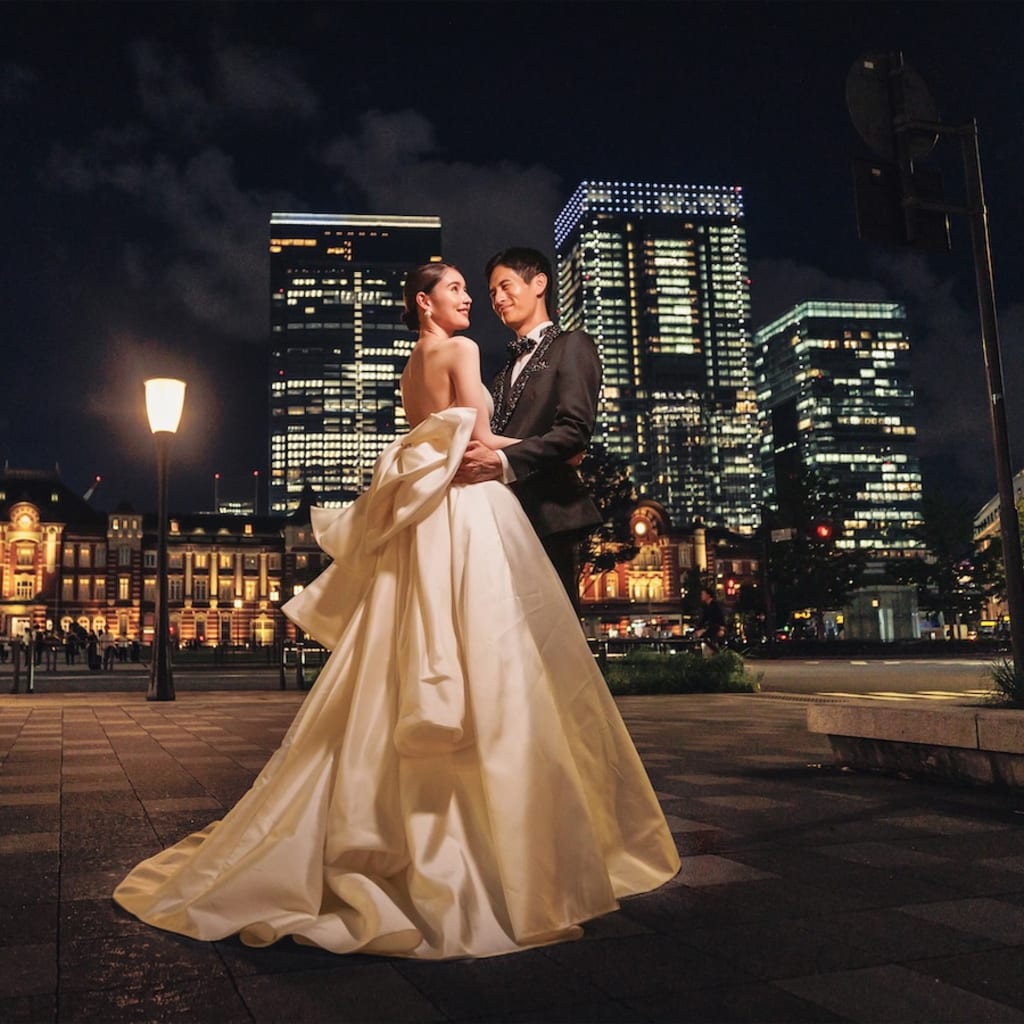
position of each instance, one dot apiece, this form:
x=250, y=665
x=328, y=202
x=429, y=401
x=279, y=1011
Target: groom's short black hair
x=527, y=263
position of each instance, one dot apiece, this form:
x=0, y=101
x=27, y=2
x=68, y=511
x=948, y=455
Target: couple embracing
x=458, y=782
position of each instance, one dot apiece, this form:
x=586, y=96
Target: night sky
x=145, y=145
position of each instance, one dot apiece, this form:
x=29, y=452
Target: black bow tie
x=520, y=345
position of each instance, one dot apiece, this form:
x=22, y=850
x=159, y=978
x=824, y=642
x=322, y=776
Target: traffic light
x=822, y=530
x=898, y=202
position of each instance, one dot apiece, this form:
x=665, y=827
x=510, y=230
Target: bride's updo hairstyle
x=422, y=279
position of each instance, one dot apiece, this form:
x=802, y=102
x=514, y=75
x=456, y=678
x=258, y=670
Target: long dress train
x=458, y=781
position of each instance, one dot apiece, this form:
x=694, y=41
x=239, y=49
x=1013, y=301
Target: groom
x=547, y=396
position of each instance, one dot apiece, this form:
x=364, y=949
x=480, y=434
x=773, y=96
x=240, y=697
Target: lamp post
x=300, y=672
x=165, y=398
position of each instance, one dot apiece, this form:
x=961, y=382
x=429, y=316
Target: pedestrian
x=711, y=627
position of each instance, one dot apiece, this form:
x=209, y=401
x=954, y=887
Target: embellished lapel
x=506, y=396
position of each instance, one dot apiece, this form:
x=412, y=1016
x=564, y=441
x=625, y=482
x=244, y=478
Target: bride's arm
x=469, y=392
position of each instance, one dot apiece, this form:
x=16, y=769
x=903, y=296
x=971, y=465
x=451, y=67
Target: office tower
x=658, y=274
x=834, y=396
x=337, y=347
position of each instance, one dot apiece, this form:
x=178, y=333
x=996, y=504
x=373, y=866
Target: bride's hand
x=478, y=464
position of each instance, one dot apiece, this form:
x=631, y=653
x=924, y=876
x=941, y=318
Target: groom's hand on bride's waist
x=478, y=464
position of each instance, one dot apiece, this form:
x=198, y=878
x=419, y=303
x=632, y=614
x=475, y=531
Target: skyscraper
x=658, y=274
x=834, y=396
x=337, y=346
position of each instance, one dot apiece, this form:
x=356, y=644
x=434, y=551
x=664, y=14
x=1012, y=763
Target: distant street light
x=165, y=399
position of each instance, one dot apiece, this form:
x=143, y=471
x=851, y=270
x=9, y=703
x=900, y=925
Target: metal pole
x=161, y=681
x=16, y=662
x=300, y=674
x=1009, y=526
x=32, y=663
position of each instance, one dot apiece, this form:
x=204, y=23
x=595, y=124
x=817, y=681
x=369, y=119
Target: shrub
x=648, y=672
x=1009, y=683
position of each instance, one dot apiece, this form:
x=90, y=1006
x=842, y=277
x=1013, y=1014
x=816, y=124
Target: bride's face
x=449, y=302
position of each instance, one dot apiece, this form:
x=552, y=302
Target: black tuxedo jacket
x=552, y=407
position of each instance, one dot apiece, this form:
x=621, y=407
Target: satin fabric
x=458, y=781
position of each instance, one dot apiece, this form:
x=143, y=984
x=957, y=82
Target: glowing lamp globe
x=165, y=398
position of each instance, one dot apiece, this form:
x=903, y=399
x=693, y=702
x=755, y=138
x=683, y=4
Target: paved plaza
x=807, y=893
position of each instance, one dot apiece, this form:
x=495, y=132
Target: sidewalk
x=807, y=893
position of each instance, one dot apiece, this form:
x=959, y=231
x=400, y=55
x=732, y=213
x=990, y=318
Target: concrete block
x=951, y=727
x=1001, y=730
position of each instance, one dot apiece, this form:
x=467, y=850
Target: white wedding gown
x=458, y=781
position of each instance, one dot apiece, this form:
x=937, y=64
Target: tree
x=950, y=577
x=811, y=570
x=606, y=476
x=989, y=564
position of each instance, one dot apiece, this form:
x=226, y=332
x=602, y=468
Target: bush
x=1009, y=683
x=647, y=672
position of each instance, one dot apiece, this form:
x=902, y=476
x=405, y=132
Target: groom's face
x=519, y=304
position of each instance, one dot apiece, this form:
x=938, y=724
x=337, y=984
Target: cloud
x=238, y=82
x=393, y=162
x=259, y=82
x=192, y=236
x=16, y=83
x=780, y=284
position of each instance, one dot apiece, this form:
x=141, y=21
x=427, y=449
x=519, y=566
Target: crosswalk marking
x=914, y=695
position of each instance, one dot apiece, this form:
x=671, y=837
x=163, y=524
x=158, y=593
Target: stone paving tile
x=1012, y=863
x=27, y=799
x=161, y=999
x=993, y=919
x=886, y=855
x=366, y=993
x=100, y=916
x=89, y=963
x=637, y=967
x=520, y=983
x=769, y=950
x=944, y=824
x=28, y=924
x=609, y=1011
x=28, y=970
x=28, y=1009
x=750, y=796
x=995, y=974
x=29, y=842
x=892, y=993
x=713, y=870
x=895, y=935
x=181, y=803
x=755, y=1003
x=97, y=786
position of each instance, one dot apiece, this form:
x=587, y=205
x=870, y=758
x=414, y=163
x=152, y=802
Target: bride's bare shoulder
x=461, y=345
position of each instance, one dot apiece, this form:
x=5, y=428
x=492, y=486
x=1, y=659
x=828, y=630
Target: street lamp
x=165, y=398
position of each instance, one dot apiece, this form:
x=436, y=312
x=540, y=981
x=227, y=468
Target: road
x=881, y=679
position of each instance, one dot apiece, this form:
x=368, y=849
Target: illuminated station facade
x=66, y=568
x=337, y=348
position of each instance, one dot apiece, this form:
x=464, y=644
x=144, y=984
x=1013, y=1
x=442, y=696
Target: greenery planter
x=647, y=672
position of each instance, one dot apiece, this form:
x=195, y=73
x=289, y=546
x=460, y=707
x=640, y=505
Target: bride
x=458, y=782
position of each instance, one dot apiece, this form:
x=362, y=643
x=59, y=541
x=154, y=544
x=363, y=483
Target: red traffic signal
x=822, y=530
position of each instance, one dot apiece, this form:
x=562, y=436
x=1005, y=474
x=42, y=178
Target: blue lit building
x=337, y=347
x=658, y=274
x=835, y=396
